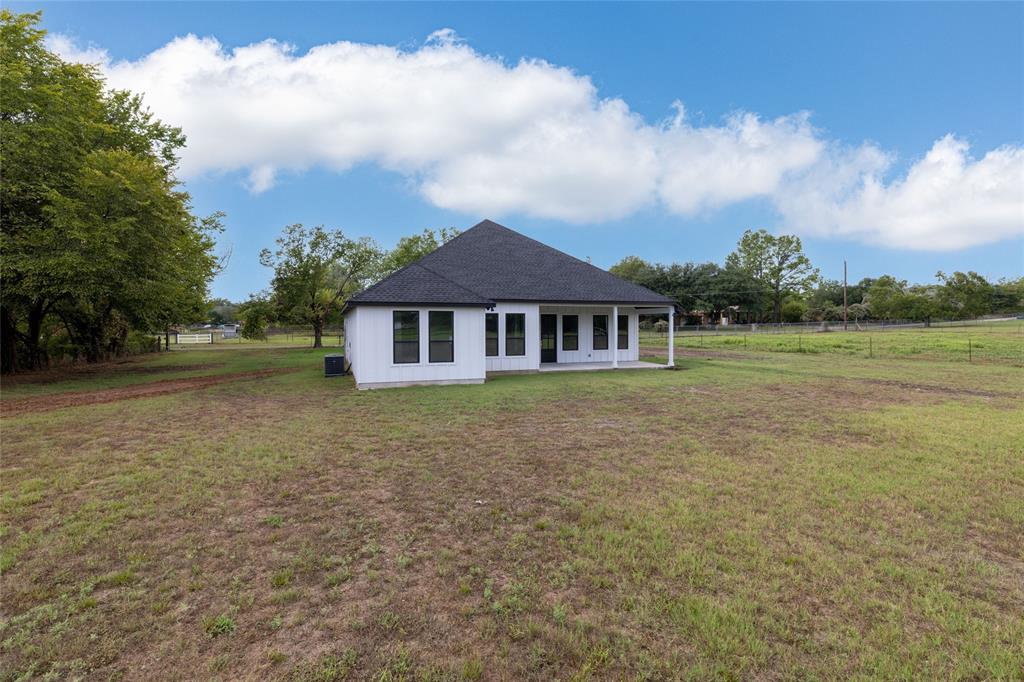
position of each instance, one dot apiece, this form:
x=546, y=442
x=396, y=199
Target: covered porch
x=594, y=336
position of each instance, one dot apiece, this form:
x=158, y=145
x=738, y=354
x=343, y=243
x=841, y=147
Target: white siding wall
x=350, y=335
x=520, y=363
x=369, y=330
x=586, y=352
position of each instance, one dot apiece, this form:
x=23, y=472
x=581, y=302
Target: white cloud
x=484, y=137
x=945, y=201
x=70, y=51
x=707, y=167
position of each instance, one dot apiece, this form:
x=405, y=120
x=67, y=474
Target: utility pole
x=844, y=296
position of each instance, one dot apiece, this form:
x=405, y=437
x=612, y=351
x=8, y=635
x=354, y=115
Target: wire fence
x=829, y=326
x=986, y=340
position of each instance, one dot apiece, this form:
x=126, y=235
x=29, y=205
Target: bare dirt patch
x=45, y=403
x=942, y=390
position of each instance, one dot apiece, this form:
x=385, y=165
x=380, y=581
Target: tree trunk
x=318, y=333
x=778, y=307
x=8, y=341
x=36, y=355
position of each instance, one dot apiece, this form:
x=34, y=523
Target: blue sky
x=877, y=80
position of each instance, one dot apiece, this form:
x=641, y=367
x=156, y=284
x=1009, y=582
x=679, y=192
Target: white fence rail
x=195, y=338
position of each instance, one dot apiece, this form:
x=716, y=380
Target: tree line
x=768, y=278
x=98, y=243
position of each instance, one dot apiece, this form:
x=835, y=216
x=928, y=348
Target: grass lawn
x=217, y=513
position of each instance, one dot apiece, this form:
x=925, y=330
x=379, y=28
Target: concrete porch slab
x=592, y=366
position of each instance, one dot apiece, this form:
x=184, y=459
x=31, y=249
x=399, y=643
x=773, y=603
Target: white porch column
x=672, y=337
x=614, y=332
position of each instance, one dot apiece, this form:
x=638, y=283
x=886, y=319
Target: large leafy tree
x=256, y=314
x=316, y=271
x=965, y=294
x=635, y=269
x=132, y=252
x=1008, y=296
x=732, y=286
x=94, y=228
x=777, y=262
x=889, y=298
x=410, y=249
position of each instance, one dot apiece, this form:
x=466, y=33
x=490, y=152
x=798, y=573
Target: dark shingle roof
x=415, y=284
x=493, y=263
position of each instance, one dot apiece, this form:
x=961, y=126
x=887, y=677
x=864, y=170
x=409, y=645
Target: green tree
x=634, y=269
x=794, y=309
x=965, y=294
x=733, y=286
x=221, y=311
x=132, y=252
x=1008, y=296
x=93, y=227
x=256, y=314
x=696, y=287
x=316, y=271
x=410, y=249
x=886, y=298
x=889, y=298
x=778, y=262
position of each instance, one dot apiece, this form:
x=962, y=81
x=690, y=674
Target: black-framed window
x=406, y=325
x=570, y=332
x=600, y=332
x=491, y=334
x=441, y=327
x=515, y=333
x=623, y=332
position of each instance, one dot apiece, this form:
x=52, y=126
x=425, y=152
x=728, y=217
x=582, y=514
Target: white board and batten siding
x=369, y=347
x=503, y=362
x=585, y=351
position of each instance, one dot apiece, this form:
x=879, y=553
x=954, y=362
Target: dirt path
x=56, y=401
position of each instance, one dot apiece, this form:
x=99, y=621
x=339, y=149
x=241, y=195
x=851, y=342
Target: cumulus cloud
x=485, y=137
x=70, y=51
x=945, y=201
x=708, y=167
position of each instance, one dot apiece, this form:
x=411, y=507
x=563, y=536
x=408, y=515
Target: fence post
x=969, y=350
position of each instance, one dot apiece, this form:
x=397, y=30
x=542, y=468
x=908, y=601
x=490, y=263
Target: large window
x=600, y=332
x=570, y=332
x=406, y=336
x=515, y=333
x=491, y=334
x=623, y=332
x=442, y=335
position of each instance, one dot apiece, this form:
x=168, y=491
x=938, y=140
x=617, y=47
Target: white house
x=493, y=300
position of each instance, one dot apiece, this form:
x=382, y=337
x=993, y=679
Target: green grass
x=752, y=515
x=997, y=342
